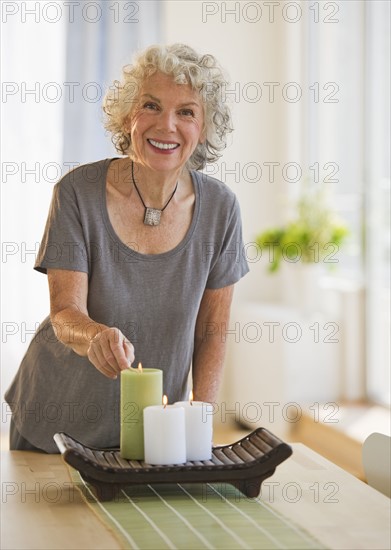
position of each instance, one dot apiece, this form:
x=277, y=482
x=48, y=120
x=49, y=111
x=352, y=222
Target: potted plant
x=313, y=236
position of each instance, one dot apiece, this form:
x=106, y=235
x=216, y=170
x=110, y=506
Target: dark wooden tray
x=244, y=464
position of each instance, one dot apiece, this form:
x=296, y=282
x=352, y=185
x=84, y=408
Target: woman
x=141, y=254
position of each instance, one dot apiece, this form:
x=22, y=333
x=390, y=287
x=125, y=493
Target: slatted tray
x=244, y=464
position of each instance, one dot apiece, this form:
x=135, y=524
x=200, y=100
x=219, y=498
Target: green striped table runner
x=195, y=516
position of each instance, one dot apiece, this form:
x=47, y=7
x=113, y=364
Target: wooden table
x=41, y=509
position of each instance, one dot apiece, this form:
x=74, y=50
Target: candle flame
x=140, y=367
x=191, y=397
x=165, y=401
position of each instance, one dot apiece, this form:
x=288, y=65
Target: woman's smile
x=163, y=146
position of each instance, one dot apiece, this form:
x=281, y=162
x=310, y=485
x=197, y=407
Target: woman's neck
x=155, y=187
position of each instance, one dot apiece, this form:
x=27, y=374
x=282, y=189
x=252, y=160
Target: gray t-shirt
x=152, y=298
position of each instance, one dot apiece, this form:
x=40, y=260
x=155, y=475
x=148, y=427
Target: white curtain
x=98, y=45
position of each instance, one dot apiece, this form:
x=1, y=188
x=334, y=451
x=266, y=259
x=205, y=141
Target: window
x=348, y=114
x=377, y=198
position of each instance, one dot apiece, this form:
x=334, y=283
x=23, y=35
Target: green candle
x=140, y=388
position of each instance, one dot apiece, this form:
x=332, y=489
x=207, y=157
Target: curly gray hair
x=186, y=66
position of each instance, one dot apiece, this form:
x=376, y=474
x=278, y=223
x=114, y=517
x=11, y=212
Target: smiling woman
x=200, y=73
x=138, y=253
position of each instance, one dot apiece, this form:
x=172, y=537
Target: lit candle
x=199, y=428
x=164, y=434
x=139, y=389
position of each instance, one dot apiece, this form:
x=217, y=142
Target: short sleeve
x=63, y=244
x=229, y=260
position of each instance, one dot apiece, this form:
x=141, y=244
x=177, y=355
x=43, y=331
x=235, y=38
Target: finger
x=118, y=352
x=108, y=343
x=129, y=351
x=100, y=365
x=95, y=350
x=103, y=363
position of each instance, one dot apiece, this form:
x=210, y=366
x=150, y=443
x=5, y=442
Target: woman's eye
x=187, y=112
x=150, y=105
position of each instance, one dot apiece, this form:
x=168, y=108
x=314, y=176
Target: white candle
x=199, y=428
x=164, y=434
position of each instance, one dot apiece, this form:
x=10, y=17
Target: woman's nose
x=167, y=121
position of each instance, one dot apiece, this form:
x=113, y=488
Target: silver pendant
x=152, y=216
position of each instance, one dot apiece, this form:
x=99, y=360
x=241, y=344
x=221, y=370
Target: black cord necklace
x=152, y=215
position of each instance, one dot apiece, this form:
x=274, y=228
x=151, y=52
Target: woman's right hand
x=110, y=352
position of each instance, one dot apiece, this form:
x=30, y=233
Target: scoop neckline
x=110, y=229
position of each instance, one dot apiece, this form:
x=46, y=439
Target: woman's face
x=167, y=123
